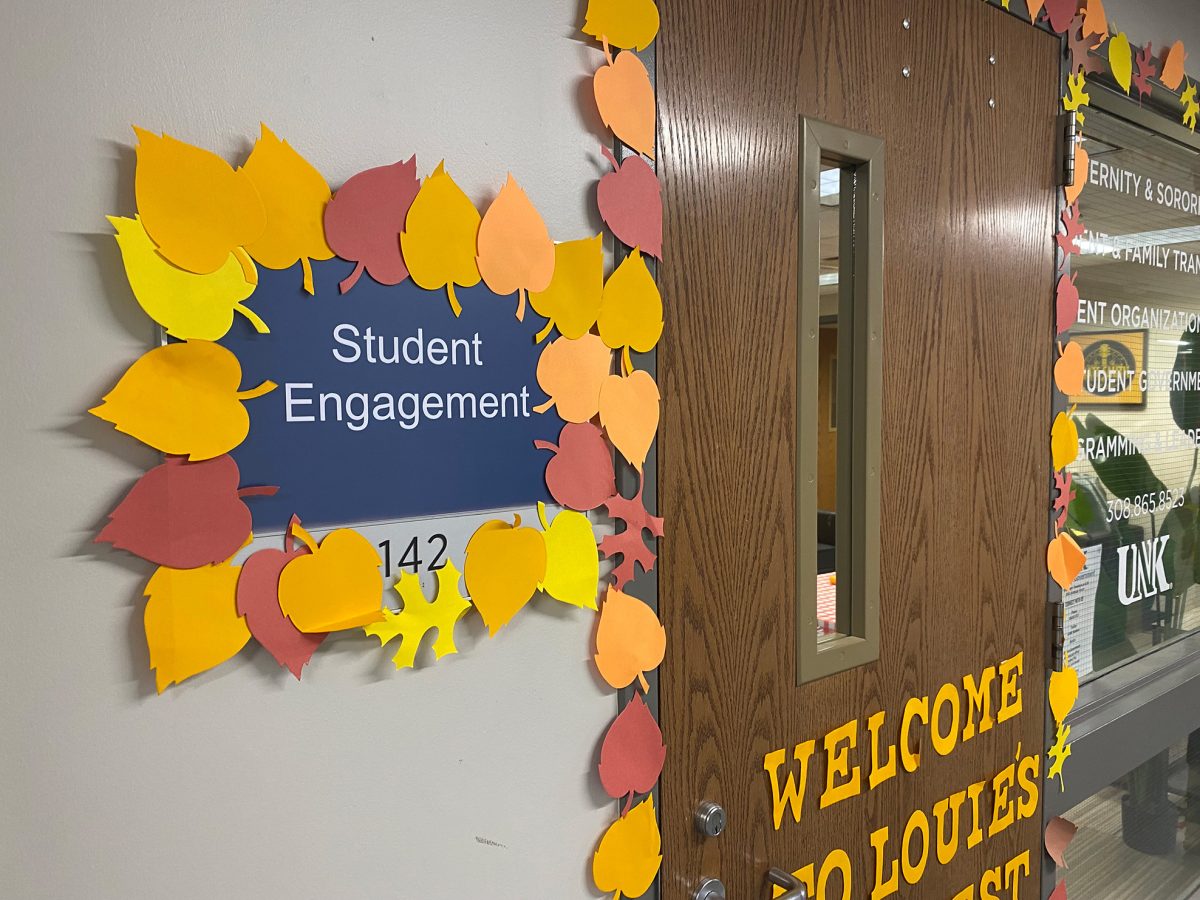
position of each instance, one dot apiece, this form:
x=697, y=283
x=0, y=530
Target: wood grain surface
x=965, y=415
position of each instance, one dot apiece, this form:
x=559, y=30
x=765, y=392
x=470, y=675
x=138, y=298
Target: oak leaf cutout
x=294, y=195
x=1068, y=241
x=184, y=514
x=630, y=853
x=418, y=616
x=1076, y=97
x=1191, y=107
x=438, y=240
x=191, y=620
x=1064, y=494
x=364, y=219
x=183, y=399
x=1082, y=59
x=629, y=543
x=1147, y=68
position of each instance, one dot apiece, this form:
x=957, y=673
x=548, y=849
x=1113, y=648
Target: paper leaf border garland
x=190, y=252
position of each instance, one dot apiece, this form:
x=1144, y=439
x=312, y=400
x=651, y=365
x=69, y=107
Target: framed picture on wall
x=1113, y=362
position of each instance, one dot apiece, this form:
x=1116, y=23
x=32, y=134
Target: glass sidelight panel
x=839, y=347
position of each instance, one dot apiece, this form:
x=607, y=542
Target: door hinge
x=1056, y=635
x=1068, y=130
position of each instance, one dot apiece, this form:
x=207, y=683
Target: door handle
x=793, y=887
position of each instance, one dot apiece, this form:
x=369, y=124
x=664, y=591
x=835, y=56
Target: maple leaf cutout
x=1058, y=754
x=1076, y=96
x=1079, y=47
x=1191, y=108
x=1147, y=68
x=1062, y=484
x=419, y=616
x=1068, y=243
x=629, y=544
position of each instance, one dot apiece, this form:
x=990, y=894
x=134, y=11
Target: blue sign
x=388, y=406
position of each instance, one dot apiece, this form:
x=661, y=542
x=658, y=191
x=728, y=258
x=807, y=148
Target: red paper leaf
x=1065, y=494
x=1060, y=13
x=183, y=515
x=630, y=203
x=1147, y=68
x=258, y=601
x=1079, y=46
x=1059, y=892
x=580, y=476
x=1066, y=303
x=1068, y=243
x=364, y=219
x=631, y=757
x=629, y=543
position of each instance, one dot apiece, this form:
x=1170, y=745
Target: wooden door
x=968, y=271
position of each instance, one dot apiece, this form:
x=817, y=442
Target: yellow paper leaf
x=629, y=413
x=417, y=617
x=194, y=206
x=1191, y=107
x=1077, y=97
x=337, y=585
x=1064, y=440
x=438, y=240
x=515, y=250
x=504, y=565
x=294, y=196
x=572, y=372
x=622, y=23
x=187, y=305
x=572, y=558
x=1063, y=692
x=1058, y=754
x=192, y=623
x=1120, y=60
x=629, y=854
x=629, y=640
x=631, y=312
x=572, y=299
x=183, y=399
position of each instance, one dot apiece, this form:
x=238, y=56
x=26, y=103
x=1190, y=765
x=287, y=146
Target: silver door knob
x=794, y=887
x=710, y=889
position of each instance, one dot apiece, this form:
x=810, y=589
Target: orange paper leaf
x=1172, y=70
x=629, y=640
x=1068, y=370
x=625, y=99
x=1064, y=560
x=572, y=372
x=629, y=413
x=515, y=250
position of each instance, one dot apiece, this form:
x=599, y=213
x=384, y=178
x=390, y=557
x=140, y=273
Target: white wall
x=469, y=778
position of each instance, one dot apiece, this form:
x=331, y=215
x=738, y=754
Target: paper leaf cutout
x=337, y=585
x=1064, y=440
x=572, y=299
x=1068, y=369
x=1080, y=178
x=1059, y=892
x=192, y=623
x=1058, y=754
x=1120, y=59
x=632, y=755
x=294, y=195
x=194, y=206
x=1080, y=49
x=622, y=23
x=515, y=250
x=439, y=234
x=629, y=412
x=182, y=399
x=183, y=515
x=1064, y=495
x=630, y=640
x=1068, y=242
x=364, y=219
x=258, y=602
x=1147, y=68
x=1095, y=22
x=1063, y=691
x=1064, y=560
x=580, y=475
x=630, y=202
x=418, y=617
x=1191, y=108
x=625, y=99
x=631, y=314
x=1066, y=302
x=1076, y=97
x=1172, y=69
x=629, y=543
x=629, y=855
x=572, y=372
x=1034, y=7
x=1060, y=13
x=505, y=563
x=572, y=560
x=1059, y=834
x=187, y=305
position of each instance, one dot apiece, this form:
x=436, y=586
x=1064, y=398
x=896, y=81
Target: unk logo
x=1141, y=572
